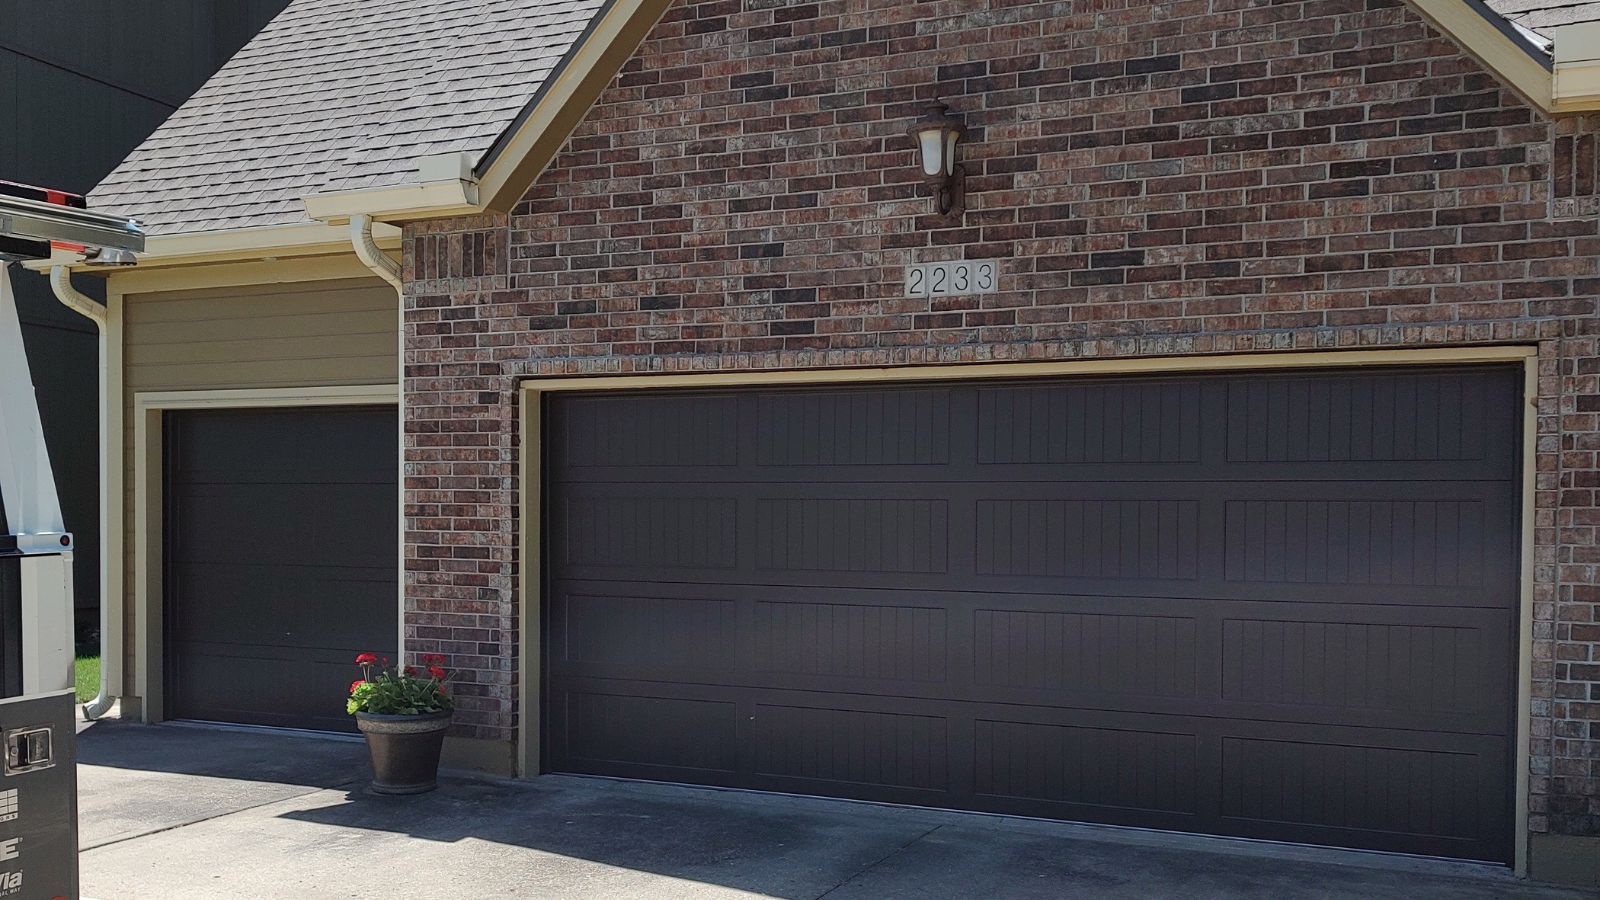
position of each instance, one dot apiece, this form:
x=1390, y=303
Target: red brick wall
x=1190, y=176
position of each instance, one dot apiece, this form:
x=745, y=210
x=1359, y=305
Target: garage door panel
x=1369, y=417
x=647, y=632
x=1108, y=768
x=857, y=641
x=259, y=449
x=1377, y=665
x=1454, y=672
x=1079, y=476
x=1390, y=794
x=832, y=428
x=301, y=606
x=686, y=734
x=1131, y=421
x=1385, y=542
x=1104, y=599
x=649, y=432
x=881, y=535
x=1137, y=539
x=1149, y=589
x=286, y=686
x=897, y=750
x=280, y=545
x=1084, y=653
x=284, y=524
x=649, y=533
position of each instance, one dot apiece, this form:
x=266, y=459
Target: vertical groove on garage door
x=280, y=561
x=1277, y=606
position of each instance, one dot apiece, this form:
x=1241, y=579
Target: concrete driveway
x=173, y=811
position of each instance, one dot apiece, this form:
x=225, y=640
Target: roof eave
x=540, y=130
x=251, y=244
x=1577, y=71
x=1497, y=44
x=397, y=203
x=526, y=147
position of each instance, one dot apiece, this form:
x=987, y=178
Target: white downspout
x=110, y=649
x=367, y=250
x=379, y=262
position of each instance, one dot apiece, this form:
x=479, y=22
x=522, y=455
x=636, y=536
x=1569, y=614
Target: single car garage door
x=1277, y=606
x=281, y=557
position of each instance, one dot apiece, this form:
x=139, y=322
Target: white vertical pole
x=47, y=640
x=27, y=484
x=33, y=512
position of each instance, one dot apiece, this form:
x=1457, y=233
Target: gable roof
x=341, y=95
x=333, y=105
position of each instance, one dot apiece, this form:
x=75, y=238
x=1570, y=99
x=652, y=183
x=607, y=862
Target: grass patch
x=87, y=672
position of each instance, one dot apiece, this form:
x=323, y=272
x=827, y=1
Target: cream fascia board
x=400, y=202
x=529, y=144
x=280, y=270
x=1493, y=47
x=300, y=239
x=1577, y=87
x=522, y=154
x=257, y=243
x=1577, y=74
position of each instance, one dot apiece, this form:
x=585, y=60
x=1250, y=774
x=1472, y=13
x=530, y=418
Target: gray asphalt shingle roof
x=1536, y=15
x=347, y=94
x=336, y=95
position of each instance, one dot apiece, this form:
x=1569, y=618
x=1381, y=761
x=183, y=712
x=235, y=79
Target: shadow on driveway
x=279, y=816
x=138, y=779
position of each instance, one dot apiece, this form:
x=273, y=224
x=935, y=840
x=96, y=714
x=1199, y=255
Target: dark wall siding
x=81, y=84
x=1153, y=178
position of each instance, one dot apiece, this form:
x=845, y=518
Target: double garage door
x=280, y=543
x=1277, y=606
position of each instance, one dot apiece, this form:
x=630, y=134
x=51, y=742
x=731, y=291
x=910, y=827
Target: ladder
x=36, y=550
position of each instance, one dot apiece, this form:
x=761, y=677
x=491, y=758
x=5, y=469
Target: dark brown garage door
x=1277, y=606
x=281, y=561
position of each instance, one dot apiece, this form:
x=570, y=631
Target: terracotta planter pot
x=405, y=750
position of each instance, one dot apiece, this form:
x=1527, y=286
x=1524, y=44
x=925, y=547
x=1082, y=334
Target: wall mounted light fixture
x=936, y=135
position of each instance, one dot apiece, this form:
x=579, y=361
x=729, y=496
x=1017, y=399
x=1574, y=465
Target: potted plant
x=404, y=714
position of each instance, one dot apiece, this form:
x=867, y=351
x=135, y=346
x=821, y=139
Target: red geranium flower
x=432, y=659
x=366, y=659
x=411, y=670
x=355, y=684
x=436, y=672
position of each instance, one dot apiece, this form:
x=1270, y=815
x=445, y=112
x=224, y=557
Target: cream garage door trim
x=148, y=503
x=531, y=467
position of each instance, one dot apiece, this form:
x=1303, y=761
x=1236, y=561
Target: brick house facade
x=1155, y=179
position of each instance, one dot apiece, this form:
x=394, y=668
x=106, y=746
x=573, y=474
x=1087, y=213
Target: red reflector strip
x=47, y=195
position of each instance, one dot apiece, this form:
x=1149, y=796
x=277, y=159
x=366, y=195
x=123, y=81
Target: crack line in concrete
x=879, y=861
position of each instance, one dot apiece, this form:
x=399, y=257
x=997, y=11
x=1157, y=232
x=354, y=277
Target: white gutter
x=381, y=265
x=367, y=250
x=110, y=650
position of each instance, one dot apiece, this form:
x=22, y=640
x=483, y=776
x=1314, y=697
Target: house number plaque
x=952, y=279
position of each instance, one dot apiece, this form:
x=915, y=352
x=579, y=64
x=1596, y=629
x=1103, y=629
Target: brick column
x=460, y=470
